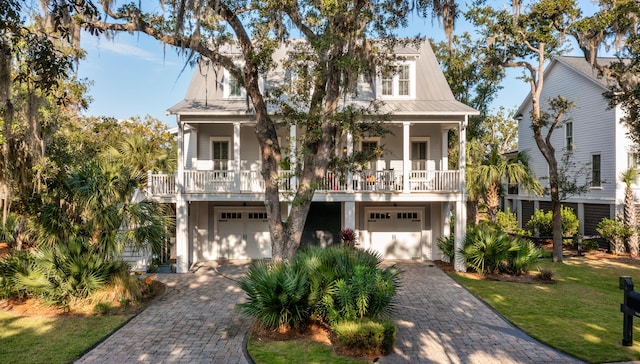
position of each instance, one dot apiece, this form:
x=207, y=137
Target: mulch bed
x=29, y=306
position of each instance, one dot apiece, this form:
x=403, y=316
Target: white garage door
x=396, y=234
x=243, y=234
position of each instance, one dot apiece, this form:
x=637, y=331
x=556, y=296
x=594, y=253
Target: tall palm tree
x=495, y=169
x=630, y=219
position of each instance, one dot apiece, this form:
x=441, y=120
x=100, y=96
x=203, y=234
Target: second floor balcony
x=251, y=181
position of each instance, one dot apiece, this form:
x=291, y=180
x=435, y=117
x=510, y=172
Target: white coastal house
x=400, y=205
x=592, y=132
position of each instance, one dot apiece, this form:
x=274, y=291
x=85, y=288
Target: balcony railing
x=251, y=181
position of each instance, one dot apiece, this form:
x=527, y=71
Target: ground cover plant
x=579, y=315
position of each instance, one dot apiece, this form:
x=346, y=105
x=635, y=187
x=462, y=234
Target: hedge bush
x=541, y=223
x=367, y=336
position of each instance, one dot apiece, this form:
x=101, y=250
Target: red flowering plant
x=348, y=237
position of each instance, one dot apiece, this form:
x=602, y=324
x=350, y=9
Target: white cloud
x=120, y=47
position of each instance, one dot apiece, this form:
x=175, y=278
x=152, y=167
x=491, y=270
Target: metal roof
x=433, y=94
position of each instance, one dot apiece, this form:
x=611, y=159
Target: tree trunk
x=7, y=106
x=630, y=220
x=557, y=229
x=472, y=211
x=493, y=200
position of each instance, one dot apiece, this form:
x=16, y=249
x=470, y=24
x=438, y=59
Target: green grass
x=580, y=315
x=51, y=339
x=284, y=352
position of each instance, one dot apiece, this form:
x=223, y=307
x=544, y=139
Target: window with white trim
x=398, y=81
x=568, y=136
x=370, y=147
x=231, y=87
x=596, y=171
x=220, y=154
x=419, y=154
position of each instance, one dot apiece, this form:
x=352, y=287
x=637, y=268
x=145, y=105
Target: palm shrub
x=68, y=271
x=277, y=294
x=446, y=244
x=17, y=262
x=522, y=255
x=487, y=249
x=348, y=283
x=335, y=284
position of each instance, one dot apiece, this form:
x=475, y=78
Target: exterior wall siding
x=594, y=131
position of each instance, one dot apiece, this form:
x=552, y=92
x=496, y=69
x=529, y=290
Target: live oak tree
x=526, y=38
x=37, y=91
x=338, y=48
x=615, y=27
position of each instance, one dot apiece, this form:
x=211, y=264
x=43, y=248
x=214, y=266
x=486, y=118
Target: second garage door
x=243, y=234
x=396, y=234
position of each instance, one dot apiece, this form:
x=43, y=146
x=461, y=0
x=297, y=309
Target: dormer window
x=398, y=81
x=232, y=87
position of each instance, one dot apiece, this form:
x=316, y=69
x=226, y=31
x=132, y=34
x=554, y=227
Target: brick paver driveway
x=438, y=322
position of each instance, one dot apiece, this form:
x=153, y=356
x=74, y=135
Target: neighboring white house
x=400, y=205
x=592, y=131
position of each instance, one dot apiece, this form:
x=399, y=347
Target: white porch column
x=446, y=224
x=580, y=215
x=445, y=150
x=349, y=215
x=461, y=203
x=182, y=213
x=406, y=162
x=236, y=156
x=350, y=172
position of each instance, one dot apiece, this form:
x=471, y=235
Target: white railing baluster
x=222, y=181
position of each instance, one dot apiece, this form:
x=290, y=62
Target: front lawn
x=59, y=339
x=579, y=315
x=283, y=352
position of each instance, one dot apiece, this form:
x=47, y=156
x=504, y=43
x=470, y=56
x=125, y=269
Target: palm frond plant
x=68, y=271
x=276, y=294
x=523, y=254
x=496, y=168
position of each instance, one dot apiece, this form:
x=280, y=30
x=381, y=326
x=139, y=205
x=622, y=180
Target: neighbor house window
x=596, y=179
x=398, y=81
x=568, y=133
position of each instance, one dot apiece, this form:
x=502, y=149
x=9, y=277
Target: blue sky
x=134, y=75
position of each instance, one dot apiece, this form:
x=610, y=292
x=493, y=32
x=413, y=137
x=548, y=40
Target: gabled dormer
x=397, y=81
